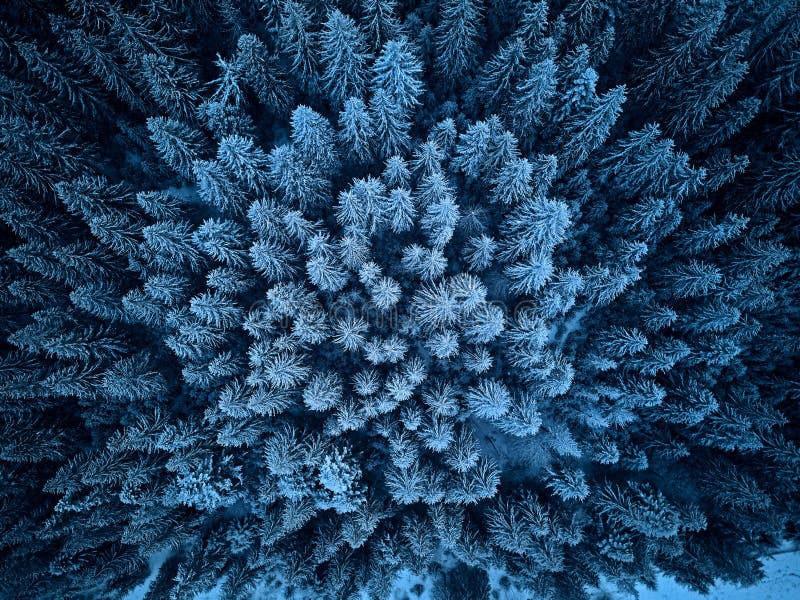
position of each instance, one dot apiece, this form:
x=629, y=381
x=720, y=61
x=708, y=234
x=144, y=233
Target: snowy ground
x=781, y=582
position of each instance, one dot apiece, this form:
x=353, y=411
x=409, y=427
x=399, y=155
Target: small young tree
x=457, y=38
x=355, y=129
x=397, y=71
x=344, y=58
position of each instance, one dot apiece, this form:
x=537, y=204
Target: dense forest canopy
x=308, y=294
